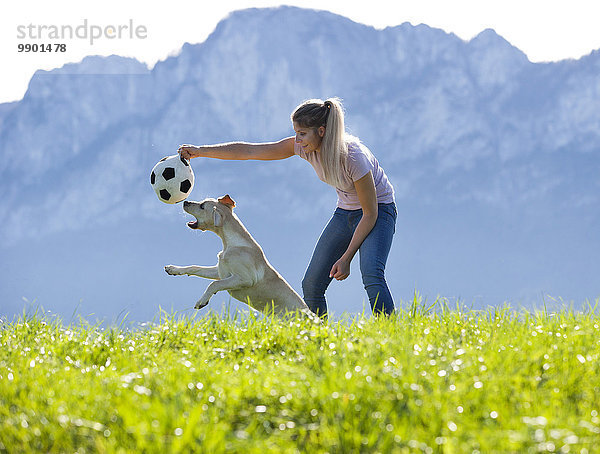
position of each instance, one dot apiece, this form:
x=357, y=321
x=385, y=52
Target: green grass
x=425, y=380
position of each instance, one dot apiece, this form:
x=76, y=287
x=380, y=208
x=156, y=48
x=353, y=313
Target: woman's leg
x=373, y=256
x=332, y=244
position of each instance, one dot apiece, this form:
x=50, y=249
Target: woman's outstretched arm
x=267, y=151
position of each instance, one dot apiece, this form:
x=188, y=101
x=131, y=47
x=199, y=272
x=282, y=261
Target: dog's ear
x=217, y=218
x=227, y=201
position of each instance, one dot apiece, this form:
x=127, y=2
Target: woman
x=365, y=216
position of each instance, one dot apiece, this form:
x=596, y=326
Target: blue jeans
x=374, y=251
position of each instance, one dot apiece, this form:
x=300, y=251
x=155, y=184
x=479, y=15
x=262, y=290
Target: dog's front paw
x=202, y=302
x=172, y=270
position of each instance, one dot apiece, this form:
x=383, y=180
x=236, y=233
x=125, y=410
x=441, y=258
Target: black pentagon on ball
x=164, y=194
x=185, y=161
x=185, y=186
x=168, y=173
x=152, y=178
x=164, y=159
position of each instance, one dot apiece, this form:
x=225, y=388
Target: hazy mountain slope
x=495, y=161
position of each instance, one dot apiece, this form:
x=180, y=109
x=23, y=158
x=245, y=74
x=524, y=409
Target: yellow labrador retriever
x=242, y=268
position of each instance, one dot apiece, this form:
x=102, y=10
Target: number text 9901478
x=41, y=47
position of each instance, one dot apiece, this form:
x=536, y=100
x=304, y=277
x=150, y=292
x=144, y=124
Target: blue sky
x=546, y=30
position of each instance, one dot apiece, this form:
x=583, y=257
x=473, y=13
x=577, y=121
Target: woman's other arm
x=367, y=196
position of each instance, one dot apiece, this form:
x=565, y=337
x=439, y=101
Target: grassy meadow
x=428, y=379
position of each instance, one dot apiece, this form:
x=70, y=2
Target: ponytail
x=315, y=113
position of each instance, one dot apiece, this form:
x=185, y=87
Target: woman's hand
x=188, y=151
x=340, y=269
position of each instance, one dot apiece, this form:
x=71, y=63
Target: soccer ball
x=172, y=179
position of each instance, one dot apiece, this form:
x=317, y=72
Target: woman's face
x=309, y=139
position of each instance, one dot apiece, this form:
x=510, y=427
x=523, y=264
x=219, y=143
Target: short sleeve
x=359, y=164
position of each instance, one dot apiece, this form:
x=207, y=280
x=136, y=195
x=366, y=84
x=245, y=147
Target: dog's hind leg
x=207, y=272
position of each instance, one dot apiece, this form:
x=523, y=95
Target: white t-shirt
x=358, y=163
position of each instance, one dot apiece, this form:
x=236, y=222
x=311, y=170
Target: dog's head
x=209, y=213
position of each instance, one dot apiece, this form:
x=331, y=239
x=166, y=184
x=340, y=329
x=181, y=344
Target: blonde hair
x=315, y=113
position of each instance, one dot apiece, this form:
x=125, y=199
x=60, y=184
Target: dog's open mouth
x=193, y=224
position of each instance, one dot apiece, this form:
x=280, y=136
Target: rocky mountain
x=495, y=162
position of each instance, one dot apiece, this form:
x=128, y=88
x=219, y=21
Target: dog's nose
x=186, y=204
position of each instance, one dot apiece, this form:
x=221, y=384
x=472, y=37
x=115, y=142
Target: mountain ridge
x=468, y=130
